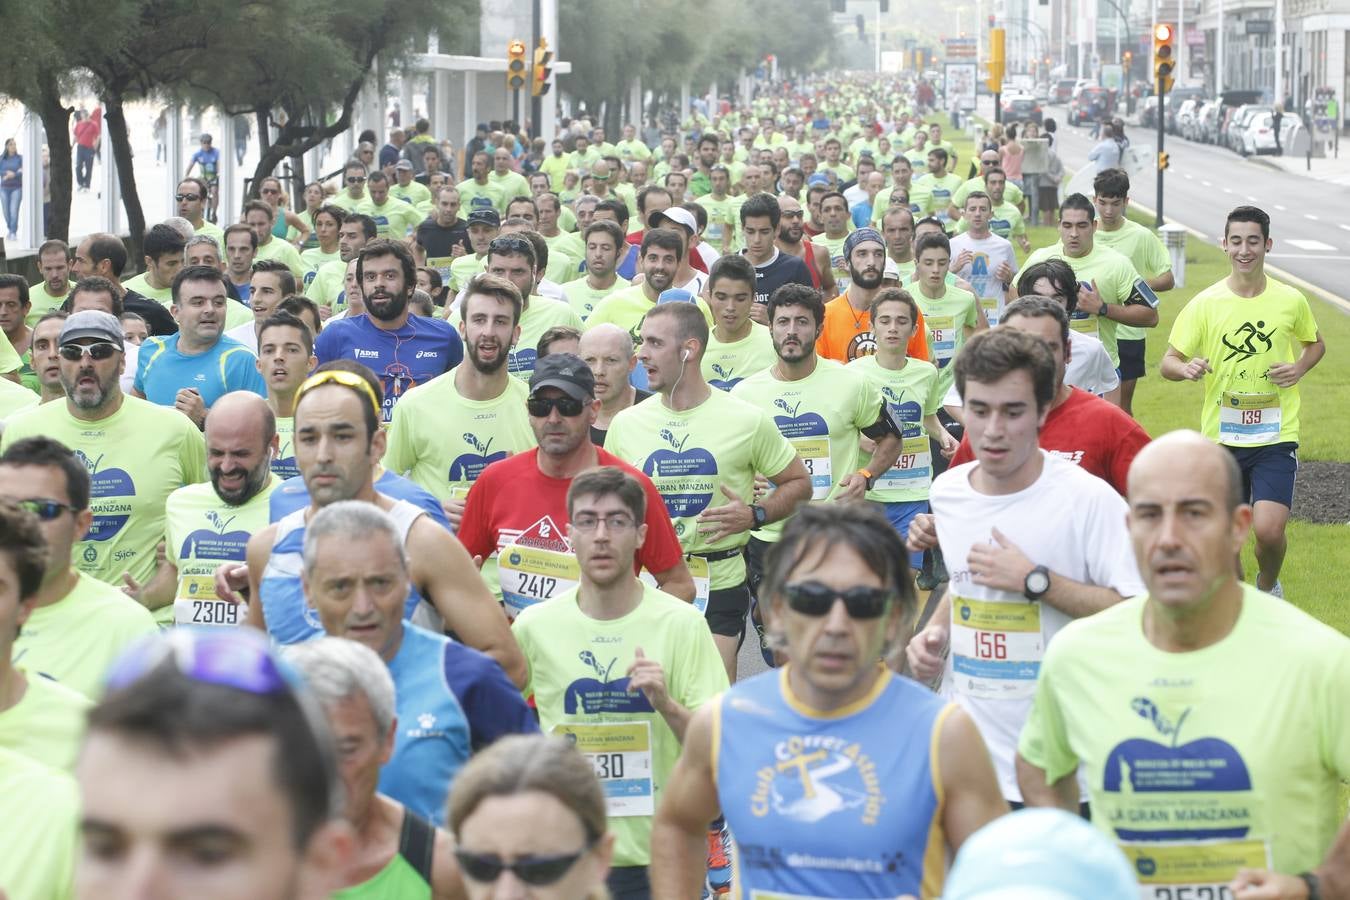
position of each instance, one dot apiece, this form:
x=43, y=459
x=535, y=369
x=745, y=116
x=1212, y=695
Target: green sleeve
x=1188, y=331
x=521, y=630
x=771, y=452
x=869, y=403
x=1305, y=326
x=701, y=675
x=1045, y=739
x=1335, y=715
x=9, y=359
x=192, y=453
x=1159, y=260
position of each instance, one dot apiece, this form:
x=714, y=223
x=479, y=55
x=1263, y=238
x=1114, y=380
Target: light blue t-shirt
x=163, y=370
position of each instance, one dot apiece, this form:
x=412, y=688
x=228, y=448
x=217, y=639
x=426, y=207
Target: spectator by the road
x=11, y=187
x=88, y=132
x=1106, y=153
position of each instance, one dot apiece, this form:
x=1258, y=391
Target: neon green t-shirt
x=444, y=441
x=578, y=676
x=1242, y=338
x=395, y=220
x=344, y=200
x=510, y=185
x=939, y=195
x=721, y=219
x=565, y=241
x=473, y=195
x=75, y=639
x=1007, y=222
x=285, y=252
x=822, y=416
x=416, y=193
x=911, y=393
x=141, y=285
x=584, y=298
x=1144, y=251
x=14, y=399
x=463, y=268
x=39, y=825
x=627, y=309
x=1011, y=192
x=690, y=455
x=47, y=724
x=555, y=167
x=1203, y=762
x=315, y=259
x=136, y=457
x=562, y=268
x=43, y=301
x=726, y=365
x=1115, y=279
x=201, y=531
x=328, y=284
x=629, y=151
x=946, y=320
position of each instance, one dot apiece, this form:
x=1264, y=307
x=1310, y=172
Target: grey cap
x=567, y=373
x=404, y=164
x=93, y=323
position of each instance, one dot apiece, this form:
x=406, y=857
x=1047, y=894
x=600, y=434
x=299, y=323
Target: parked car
x=1237, y=124
x=1259, y=137
x=1062, y=91
x=1185, y=116
x=1021, y=108
x=1201, y=123
x=1042, y=92
x=1090, y=103
x=1175, y=98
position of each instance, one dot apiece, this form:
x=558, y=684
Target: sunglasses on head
x=97, y=352
x=811, y=598
x=540, y=407
x=486, y=868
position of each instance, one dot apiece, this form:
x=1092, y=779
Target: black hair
x=762, y=205
x=280, y=269
x=1249, y=214
x=198, y=273
x=45, y=451
x=792, y=294
x=283, y=319
x=991, y=355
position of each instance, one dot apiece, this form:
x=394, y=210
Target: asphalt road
x=1308, y=221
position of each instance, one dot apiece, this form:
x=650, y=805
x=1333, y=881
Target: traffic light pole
x=536, y=103
x=1162, y=118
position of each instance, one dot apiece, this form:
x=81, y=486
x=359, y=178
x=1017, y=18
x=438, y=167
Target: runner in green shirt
x=738, y=346
x=1214, y=762
x=163, y=259
x=950, y=315
x=394, y=219
x=479, y=191
x=54, y=264
x=721, y=230
x=604, y=241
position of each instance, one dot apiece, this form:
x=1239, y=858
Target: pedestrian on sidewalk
x=1277, y=117
x=11, y=187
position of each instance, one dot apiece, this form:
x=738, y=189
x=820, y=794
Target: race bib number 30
x=1249, y=418
x=996, y=648
x=621, y=755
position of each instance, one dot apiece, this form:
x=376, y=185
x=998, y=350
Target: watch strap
x=1314, y=886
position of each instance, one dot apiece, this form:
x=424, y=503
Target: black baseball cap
x=567, y=373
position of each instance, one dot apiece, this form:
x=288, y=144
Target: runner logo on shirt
x=1247, y=340
x=468, y=466
x=726, y=377
x=106, y=487
x=906, y=411
x=685, y=478
x=591, y=696
x=215, y=542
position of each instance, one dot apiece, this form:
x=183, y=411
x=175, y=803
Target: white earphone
x=684, y=357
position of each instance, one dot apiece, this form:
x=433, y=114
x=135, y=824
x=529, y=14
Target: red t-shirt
x=1086, y=430
x=512, y=496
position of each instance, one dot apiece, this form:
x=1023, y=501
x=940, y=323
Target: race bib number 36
x=621, y=755
x=996, y=648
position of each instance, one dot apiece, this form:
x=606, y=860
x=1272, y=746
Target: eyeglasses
x=356, y=179
x=346, y=379
x=486, y=868
x=97, y=352
x=811, y=598
x=44, y=509
x=540, y=407
x=613, y=522
x=270, y=191
x=187, y=198
x=988, y=162
x=790, y=215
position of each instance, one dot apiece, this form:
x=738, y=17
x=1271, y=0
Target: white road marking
x=1310, y=245
x=1280, y=208
x=1344, y=226
x=1317, y=256
x=1228, y=190
x=1206, y=184
x=1310, y=216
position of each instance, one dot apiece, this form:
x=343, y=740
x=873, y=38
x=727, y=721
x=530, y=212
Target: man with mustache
x=846, y=330
x=404, y=350
x=191, y=370
x=207, y=524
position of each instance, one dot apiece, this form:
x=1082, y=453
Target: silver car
x=1259, y=136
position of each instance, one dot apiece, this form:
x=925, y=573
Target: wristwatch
x=1102, y=312
x=1037, y=583
x=761, y=515
x=1314, y=889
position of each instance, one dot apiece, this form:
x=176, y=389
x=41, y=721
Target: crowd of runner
x=402, y=541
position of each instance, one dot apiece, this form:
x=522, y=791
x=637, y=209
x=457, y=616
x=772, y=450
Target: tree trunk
x=295, y=138
x=116, y=123
x=56, y=122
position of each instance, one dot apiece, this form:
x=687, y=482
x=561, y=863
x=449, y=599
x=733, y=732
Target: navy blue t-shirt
x=783, y=269
x=414, y=354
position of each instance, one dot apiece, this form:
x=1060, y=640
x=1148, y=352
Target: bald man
x=609, y=352
x=1211, y=719
x=208, y=524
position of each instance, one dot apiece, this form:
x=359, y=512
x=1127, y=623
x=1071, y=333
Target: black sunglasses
x=811, y=598
x=97, y=352
x=486, y=868
x=190, y=198
x=510, y=244
x=540, y=407
x=356, y=179
x=44, y=509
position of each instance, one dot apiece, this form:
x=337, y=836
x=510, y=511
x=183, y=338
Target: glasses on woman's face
x=486, y=868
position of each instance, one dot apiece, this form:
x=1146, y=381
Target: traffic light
x=543, y=69
x=1163, y=160
x=996, y=61
x=1164, y=56
x=515, y=65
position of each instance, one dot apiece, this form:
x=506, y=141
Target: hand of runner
x=230, y=579
x=1197, y=368
x=762, y=487
x=922, y=533
x=457, y=251
x=1004, y=272
x=728, y=519
x=189, y=402
x=454, y=511
x=478, y=563
x=1286, y=375
x=947, y=444
x=999, y=565
x=924, y=652
x=852, y=486
x=646, y=675
x=963, y=259
x=1089, y=301
x=131, y=587
x=1263, y=884
x=759, y=312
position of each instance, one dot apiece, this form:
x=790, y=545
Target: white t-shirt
x=245, y=334
x=1089, y=369
x=989, y=253
x=998, y=638
x=128, y=377
x=855, y=195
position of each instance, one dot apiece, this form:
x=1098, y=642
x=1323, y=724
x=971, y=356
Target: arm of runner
x=688, y=804
x=854, y=485
x=1037, y=791
x=1113, y=396
x=159, y=591
x=792, y=487
x=258, y=551
x=828, y=287
x=1286, y=375
x=1001, y=564
x=447, y=883
x=1140, y=315
x=1164, y=282
x=457, y=591
x=922, y=533
x=648, y=676
x=973, y=795
x=677, y=582
x=1176, y=367
x=299, y=225
x=924, y=652
x=946, y=443
x=1333, y=877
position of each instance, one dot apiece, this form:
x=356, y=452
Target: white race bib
x=815, y=453
x=621, y=755
x=1193, y=871
x=996, y=648
x=912, y=469
x=1083, y=323
x=1249, y=418
x=531, y=575
x=698, y=569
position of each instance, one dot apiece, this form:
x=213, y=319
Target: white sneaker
x=1277, y=590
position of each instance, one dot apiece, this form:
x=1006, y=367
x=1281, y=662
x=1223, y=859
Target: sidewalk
x=1331, y=170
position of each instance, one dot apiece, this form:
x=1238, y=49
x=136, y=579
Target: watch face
x=1038, y=583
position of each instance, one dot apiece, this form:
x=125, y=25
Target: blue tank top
x=841, y=806
x=290, y=618
x=432, y=743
